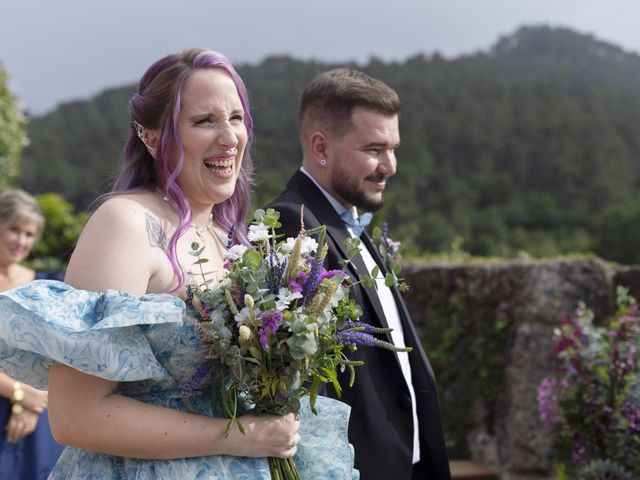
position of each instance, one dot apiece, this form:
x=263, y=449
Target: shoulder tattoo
x=157, y=237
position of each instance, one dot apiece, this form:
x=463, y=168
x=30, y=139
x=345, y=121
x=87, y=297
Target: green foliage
x=526, y=147
x=460, y=334
x=63, y=227
x=619, y=232
x=12, y=132
x=604, y=470
x=75, y=150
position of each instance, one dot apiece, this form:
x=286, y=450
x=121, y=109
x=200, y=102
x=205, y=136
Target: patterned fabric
x=150, y=345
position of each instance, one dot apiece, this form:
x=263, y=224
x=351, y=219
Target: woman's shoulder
x=132, y=210
x=118, y=246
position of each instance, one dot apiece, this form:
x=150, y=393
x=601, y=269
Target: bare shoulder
x=127, y=210
x=121, y=245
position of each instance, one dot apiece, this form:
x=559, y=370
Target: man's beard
x=351, y=192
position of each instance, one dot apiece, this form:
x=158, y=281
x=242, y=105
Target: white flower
x=285, y=297
x=242, y=316
x=236, y=252
x=307, y=246
x=258, y=233
x=287, y=246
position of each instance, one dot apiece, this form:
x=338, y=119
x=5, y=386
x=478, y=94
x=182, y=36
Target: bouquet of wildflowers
x=276, y=327
x=593, y=408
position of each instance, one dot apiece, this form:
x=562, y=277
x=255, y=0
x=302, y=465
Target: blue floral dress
x=151, y=347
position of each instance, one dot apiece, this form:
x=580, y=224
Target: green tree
x=63, y=227
x=619, y=233
x=12, y=132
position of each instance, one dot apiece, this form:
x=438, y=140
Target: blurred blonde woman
x=27, y=448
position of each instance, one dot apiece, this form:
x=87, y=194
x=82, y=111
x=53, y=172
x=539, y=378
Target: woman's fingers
x=20, y=425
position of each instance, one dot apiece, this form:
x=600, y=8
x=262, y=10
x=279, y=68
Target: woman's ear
x=147, y=136
x=151, y=139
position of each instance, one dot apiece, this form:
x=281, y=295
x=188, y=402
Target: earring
x=140, y=131
x=323, y=162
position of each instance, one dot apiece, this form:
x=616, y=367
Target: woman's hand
x=20, y=425
x=266, y=436
x=34, y=399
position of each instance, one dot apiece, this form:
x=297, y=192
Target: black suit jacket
x=381, y=423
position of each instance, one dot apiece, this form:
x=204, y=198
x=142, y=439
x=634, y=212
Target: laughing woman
x=121, y=343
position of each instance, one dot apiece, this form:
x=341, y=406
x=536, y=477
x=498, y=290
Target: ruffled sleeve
x=47, y=323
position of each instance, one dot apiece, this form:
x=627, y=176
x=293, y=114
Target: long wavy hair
x=156, y=105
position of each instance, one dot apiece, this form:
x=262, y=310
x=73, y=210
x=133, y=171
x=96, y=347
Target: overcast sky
x=58, y=50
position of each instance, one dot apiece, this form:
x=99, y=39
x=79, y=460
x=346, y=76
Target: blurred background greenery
x=531, y=148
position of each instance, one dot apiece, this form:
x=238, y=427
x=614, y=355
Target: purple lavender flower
x=364, y=327
x=347, y=337
x=230, y=236
x=311, y=285
x=355, y=338
x=196, y=379
x=276, y=269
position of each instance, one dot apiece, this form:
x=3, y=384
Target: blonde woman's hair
x=19, y=205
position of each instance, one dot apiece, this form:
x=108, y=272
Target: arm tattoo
x=157, y=238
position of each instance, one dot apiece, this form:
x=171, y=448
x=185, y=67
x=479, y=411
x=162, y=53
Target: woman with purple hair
x=115, y=341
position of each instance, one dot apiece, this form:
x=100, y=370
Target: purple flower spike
x=356, y=338
x=196, y=379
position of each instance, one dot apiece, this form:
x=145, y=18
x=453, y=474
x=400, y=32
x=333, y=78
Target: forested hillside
x=531, y=146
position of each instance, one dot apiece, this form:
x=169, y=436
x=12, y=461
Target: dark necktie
x=356, y=224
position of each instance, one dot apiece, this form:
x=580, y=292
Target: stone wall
x=488, y=329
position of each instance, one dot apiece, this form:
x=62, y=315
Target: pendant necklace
x=201, y=232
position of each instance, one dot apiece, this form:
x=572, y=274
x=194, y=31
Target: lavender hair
x=156, y=105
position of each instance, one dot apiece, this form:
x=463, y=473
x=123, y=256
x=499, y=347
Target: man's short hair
x=329, y=99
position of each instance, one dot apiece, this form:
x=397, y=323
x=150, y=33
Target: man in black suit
x=349, y=133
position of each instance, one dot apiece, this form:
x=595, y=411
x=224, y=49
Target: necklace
x=201, y=232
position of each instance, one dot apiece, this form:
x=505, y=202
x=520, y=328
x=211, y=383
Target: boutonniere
x=389, y=250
